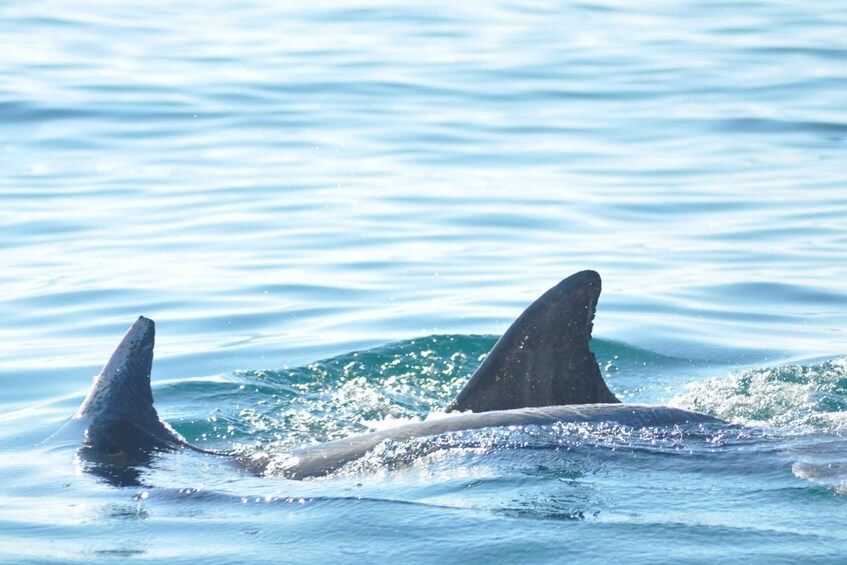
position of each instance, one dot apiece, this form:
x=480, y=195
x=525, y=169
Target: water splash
x=812, y=397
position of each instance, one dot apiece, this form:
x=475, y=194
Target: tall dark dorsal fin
x=543, y=359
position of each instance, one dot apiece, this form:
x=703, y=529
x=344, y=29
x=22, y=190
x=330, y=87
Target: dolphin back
x=543, y=359
x=323, y=459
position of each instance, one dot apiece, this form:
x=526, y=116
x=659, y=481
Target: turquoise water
x=331, y=210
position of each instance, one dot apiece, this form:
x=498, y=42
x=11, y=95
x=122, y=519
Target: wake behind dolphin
x=541, y=371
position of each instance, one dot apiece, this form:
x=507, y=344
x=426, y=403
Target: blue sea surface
x=332, y=210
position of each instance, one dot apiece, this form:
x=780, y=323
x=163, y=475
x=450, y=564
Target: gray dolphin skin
x=323, y=459
x=541, y=371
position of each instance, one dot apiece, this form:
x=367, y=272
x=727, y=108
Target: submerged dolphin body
x=541, y=371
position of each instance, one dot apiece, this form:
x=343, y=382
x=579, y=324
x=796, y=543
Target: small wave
x=359, y=391
x=790, y=396
x=330, y=399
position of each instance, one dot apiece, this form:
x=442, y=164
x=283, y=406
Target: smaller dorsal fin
x=118, y=411
x=543, y=359
x=120, y=428
x=122, y=389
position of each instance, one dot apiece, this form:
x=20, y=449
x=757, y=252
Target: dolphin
x=540, y=371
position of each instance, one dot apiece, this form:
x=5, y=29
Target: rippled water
x=331, y=210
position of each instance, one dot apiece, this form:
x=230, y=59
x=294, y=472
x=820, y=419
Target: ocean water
x=333, y=209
